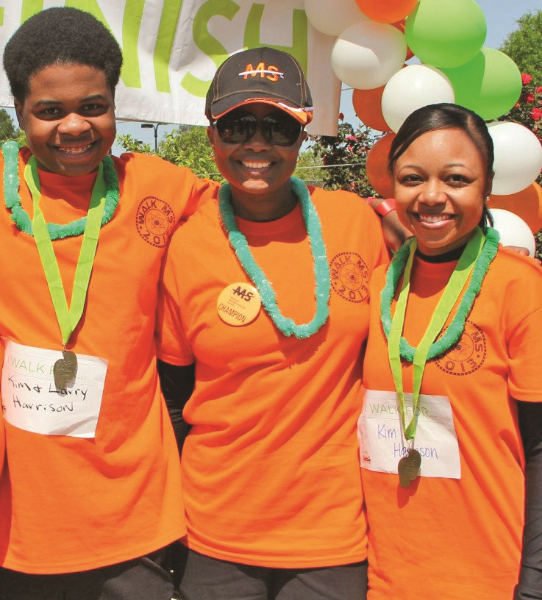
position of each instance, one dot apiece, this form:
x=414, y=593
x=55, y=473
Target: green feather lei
x=22, y=219
x=240, y=246
x=456, y=327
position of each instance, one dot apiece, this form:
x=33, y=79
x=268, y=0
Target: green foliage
x=524, y=45
x=344, y=158
x=538, y=240
x=309, y=167
x=8, y=131
x=528, y=109
x=187, y=146
x=21, y=138
x=528, y=112
x=130, y=144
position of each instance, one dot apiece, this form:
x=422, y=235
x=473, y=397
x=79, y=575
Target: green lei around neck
x=22, y=219
x=456, y=327
x=240, y=246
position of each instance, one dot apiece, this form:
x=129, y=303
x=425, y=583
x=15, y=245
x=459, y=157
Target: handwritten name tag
x=381, y=439
x=31, y=401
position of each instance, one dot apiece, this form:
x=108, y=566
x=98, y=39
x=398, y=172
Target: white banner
x=172, y=48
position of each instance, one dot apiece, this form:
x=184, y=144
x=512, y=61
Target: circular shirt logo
x=154, y=220
x=349, y=276
x=468, y=355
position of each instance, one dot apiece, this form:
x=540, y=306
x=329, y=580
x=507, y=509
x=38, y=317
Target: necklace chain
x=240, y=246
x=22, y=219
x=455, y=329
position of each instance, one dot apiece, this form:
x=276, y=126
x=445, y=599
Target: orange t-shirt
x=270, y=469
x=72, y=504
x=460, y=538
x=2, y=430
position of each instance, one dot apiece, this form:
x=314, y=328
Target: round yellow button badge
x=239, y=304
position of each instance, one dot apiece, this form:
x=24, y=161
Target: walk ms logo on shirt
x=350, y=277
x=154, y=221
x=468, y=355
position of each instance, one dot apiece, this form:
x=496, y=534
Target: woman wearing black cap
x=265, y=299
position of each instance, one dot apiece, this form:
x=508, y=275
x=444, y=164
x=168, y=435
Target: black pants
x=145, y=578
x=206, y=578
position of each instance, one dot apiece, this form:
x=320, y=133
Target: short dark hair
x=443, y=116
x=60, y=36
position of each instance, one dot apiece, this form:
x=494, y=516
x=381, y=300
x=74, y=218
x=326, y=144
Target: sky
x=501, y=16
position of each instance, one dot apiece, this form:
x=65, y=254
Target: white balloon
x=367, y=54
x=411, y=88
x=518, y=157
x=513, y=230
x=334, y=17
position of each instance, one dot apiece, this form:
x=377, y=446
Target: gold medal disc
x=239, y=304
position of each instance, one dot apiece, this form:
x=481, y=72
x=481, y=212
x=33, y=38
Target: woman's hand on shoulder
x=523, y=252
x=395, y=233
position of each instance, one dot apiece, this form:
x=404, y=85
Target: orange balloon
x=377, y=166
x=368, y=107
x=526, y=204
x=386, y=11
x=400, y=25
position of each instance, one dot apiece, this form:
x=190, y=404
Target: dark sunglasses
x=279, y=128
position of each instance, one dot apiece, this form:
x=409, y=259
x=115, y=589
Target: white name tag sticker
x=381, y=439
x=31, y=401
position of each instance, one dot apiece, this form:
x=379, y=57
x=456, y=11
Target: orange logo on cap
x=269, y=72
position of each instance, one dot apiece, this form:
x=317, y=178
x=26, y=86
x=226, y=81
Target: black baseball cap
x=260, y=75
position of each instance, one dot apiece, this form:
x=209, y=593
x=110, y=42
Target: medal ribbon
x=67, y=318
x=444, y=307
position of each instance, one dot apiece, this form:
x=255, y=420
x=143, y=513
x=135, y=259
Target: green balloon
x=446, y=33
x=489, y=84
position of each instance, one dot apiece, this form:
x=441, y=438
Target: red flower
x=341, y=116
x=530, y=98
x=517, y=105
x=536, y=114
x=539, y=89
x=351, y=138
x=526, y=78
x=352, y=185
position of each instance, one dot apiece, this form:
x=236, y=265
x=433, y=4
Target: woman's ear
x=302, y=137
x=489, y=185
x=19, y=113
x=210, y=135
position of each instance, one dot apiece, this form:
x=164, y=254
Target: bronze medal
x=409, y=467
x=65, y=370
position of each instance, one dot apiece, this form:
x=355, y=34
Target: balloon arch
x=374, y=38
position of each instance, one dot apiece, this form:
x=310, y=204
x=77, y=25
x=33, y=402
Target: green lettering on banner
x=131, y=24
x=208, y=44
x=1, y=16
x=300, y=47
x=29, y=8
x=164, y=43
